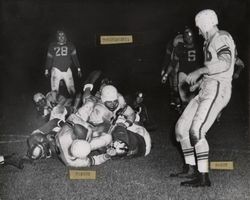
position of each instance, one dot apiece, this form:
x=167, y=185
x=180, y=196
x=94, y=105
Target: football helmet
x=80, y=149
x=139, y=97
x=109, y=97
x=61, y=37
x=205, y=20
x=120, y=147
x=40, y=103
x=188, y=36
x=38, y=146
x=38, y=97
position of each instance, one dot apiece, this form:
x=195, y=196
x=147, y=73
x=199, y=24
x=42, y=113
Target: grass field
x=142, y=178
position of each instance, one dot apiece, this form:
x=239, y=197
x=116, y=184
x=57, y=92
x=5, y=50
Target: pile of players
x=90, y=130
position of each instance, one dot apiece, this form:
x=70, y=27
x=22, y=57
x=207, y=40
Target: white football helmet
x=38, y=97
x=205, y=20
x=109, y=93
x=80, y=149
x=109, y=97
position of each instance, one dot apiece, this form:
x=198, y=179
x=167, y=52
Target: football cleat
x=188, y=171
x=202, y=180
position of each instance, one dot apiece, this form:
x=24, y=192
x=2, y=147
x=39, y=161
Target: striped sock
x=188, y=151
x=202, y=153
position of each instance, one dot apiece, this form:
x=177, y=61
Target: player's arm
x=167, y=57
x=225, y=54
x=173, y=65
x=90, y=81
x=77, y=102
x=239, y=67
x=49, y=60
x=75, y=60
x=99, y=159
x=127, y=111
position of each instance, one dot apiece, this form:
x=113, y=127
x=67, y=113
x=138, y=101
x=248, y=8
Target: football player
x=168, y=71
x=60, y=58
x=114, y=103
x=186, y=59
x=134, y=141
x=77, y=139
x=71, y=141
x=49, y=105
x=213, y=96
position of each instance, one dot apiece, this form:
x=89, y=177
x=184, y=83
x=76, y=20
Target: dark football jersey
x=61, y=56
x=189, y=57
x=137, y=145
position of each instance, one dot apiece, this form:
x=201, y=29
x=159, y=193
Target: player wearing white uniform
x=214, y=95
x=51, y=105
x=75, y=144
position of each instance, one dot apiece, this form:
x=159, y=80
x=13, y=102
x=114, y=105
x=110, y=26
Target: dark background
x=29, y=25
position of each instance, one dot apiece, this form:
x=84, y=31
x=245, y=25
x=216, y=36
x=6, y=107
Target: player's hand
x=193, y=77
x=164, y=78
x=111, y=151
x=236, y=76
x=79, y=72
x=162, y=72
x=46, y=73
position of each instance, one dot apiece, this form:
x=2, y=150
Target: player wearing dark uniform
x=169, y=72
x=186, y=58
x=60, y=58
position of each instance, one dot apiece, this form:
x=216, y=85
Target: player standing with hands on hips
x=213, y=96
x=60, y=57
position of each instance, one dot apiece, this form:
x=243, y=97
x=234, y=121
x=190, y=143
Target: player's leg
x=209, y=108
x=56, y=76
x=182, y=135
x=69, y=81
x=99, y=142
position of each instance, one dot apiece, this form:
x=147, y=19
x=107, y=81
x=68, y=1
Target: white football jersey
x=219, y=55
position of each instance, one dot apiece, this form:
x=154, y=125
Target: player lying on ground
x=46, y=104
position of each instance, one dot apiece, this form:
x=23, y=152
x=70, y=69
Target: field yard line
x=232, y=150
x=25, y=136
x=221, y=150
x=12, y=141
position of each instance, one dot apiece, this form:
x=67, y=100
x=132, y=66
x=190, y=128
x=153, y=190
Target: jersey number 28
x=61, y=51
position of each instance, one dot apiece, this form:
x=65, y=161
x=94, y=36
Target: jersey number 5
x=61, y=51
x=191, y=55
